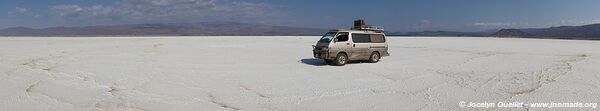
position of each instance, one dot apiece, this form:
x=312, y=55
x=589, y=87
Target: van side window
x=377, y=38
x=361, y=38
x=342, y=37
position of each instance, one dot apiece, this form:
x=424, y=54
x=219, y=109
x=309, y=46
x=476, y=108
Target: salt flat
x=278, y=73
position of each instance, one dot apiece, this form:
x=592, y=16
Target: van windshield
x=328, y=37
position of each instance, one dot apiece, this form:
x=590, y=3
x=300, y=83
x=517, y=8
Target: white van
x=338, y=46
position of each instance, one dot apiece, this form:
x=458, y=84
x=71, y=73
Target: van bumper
x=385, y=54
x=321, y=54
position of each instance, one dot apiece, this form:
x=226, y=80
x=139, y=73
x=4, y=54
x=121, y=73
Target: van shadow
x=320, y=62
x=313, y=61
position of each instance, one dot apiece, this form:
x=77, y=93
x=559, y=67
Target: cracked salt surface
x=267, y=73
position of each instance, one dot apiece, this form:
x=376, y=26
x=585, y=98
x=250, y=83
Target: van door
x=360, y=46
x=341, y=43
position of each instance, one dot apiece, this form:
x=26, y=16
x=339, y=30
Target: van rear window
x=377, y=38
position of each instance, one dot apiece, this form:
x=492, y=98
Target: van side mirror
x=335, y=40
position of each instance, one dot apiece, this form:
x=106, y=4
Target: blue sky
x=395, y=15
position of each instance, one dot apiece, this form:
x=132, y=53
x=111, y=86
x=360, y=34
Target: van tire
x=341, y=59
x=374, y=58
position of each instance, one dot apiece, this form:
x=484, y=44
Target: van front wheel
x=341, y=59
x=374, y=58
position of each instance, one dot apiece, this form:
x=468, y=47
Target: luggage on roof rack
x=361, y=25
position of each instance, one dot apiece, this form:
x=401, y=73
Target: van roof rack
x=361, y=25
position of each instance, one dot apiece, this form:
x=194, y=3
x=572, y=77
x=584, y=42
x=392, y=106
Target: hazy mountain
x=244, y=29
x=180, y=29
x=510, y=33
x=563, y=32
x=589, y=32
x=443, y=33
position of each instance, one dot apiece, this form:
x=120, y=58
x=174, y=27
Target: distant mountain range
x=590, y=32
x=511, y=33
x=175, y=29
x=444, y=33
x=563, y=32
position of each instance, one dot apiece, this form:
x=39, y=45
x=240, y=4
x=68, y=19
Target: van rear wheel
x=341, y=59
x=374, y=58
